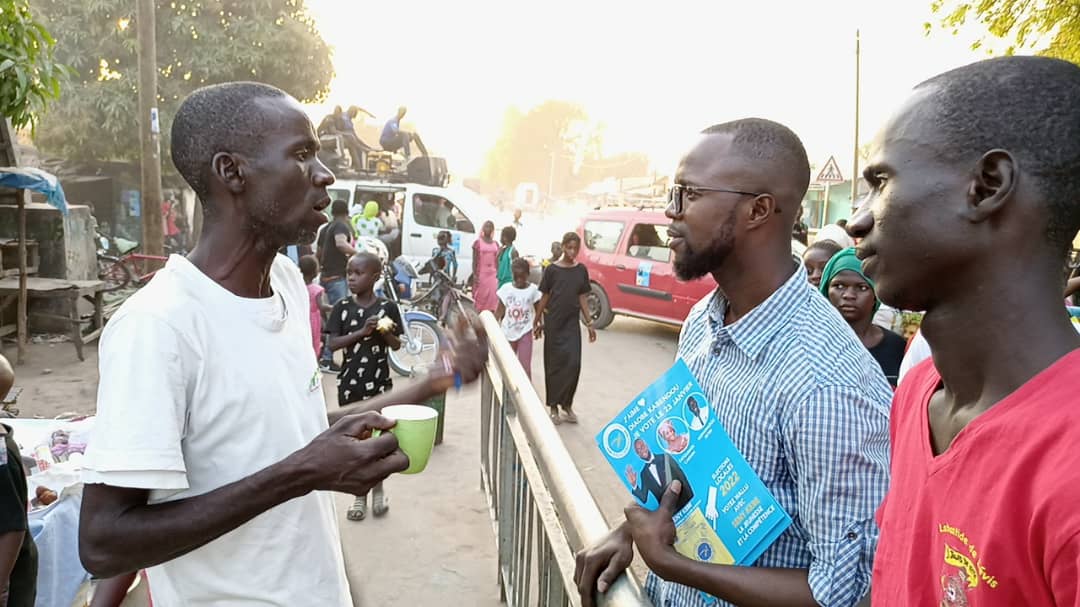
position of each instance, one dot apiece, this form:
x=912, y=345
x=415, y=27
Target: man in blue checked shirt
x=802, y=399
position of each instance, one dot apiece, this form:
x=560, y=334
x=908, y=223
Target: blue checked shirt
x=808, y=407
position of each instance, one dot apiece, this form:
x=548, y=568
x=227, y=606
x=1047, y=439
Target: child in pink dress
x=309, y=267
x=485, y=269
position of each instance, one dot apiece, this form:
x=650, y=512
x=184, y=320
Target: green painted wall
x=839, y=205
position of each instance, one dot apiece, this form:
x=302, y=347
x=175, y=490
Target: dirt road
x=627, y=356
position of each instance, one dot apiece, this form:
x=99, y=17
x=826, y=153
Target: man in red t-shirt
x=978, y=176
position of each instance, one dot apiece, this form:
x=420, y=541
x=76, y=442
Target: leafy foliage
x=199, y=42
x=29, y=77
x=1052, y=27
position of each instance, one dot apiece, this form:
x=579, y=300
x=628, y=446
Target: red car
x=630, y=265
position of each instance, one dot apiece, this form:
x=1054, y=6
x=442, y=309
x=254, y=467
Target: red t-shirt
x=995, y=520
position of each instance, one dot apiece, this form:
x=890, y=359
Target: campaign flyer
x=725, y=515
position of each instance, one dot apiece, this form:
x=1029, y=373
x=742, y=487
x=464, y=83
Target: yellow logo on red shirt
x=964, y=569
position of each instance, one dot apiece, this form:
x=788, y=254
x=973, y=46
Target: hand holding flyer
x=723, y=513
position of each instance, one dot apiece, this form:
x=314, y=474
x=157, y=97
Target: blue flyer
x=725, y=515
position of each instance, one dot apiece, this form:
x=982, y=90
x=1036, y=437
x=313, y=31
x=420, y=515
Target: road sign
x=831, y=172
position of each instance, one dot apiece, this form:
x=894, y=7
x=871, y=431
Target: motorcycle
x=422, y=338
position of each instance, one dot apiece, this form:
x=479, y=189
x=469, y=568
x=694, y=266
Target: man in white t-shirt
x=212, y=460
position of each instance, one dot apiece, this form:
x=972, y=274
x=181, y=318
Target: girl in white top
x=518, y=301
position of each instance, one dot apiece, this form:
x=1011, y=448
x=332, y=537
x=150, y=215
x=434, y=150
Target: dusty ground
x=627, y=356
x=54, y=381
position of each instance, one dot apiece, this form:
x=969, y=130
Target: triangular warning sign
x=831, y=172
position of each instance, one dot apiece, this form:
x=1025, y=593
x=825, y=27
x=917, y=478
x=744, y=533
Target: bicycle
x=119, y=271
x=443, y=300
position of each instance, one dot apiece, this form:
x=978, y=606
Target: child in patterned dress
x=366, y=327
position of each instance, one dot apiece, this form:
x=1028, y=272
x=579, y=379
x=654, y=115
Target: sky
x=653, y=73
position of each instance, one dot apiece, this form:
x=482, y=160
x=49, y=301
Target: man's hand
x=599, y=566
x=654, y=532
x=592, y=334
x=467, y=356
x=346, y=458
x=538, y=330
x=631, y=475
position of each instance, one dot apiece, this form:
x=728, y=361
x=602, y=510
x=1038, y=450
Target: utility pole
x=551, y=175
x=153, y=235
x=855, y=168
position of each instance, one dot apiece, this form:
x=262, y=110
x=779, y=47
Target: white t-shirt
x=200, y=388
x=917, y=351
x=520, y=310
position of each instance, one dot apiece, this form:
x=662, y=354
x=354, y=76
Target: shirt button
x=716, y=351
x=852, y=535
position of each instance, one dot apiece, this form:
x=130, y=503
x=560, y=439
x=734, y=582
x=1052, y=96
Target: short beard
x=272, y=237
x=692, y=264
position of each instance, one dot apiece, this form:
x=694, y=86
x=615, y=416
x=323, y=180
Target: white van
x=425, y=211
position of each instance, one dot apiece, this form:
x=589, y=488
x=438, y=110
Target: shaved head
x=1029, y=106
x=776, y=150
x=218, y=118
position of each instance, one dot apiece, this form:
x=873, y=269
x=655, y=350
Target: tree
x=1050, y=27
x=619, y=166
x=29, y=76
x=200, y=42
x=555, y=142
x=538, y=146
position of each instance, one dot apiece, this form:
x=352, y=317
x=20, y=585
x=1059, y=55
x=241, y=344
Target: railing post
x=538, y=501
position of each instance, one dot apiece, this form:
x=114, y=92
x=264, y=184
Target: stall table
x=57, y=288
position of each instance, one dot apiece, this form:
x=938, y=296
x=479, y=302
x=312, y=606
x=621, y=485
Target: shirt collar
x=756, y=329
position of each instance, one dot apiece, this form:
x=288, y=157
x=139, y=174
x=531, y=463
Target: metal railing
x=540, y=507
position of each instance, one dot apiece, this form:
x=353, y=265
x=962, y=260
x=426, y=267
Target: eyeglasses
x=677, y=195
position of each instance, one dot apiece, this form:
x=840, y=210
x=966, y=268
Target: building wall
x=839, y=205
x=66, y=247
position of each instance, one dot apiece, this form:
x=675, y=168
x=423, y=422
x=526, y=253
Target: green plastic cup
x=415, y=431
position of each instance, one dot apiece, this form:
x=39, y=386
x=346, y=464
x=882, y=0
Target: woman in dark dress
x=564, y=286
x=853, y=294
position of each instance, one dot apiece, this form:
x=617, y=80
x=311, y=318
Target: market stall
x=52, y=451
x=19, y=286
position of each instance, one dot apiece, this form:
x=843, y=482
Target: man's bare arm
x=120, y=532
x=342, y=243
x=468, y=356
x=411, y=394
x=746, y=586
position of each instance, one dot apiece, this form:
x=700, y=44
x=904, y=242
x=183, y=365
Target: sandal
x=358, y=512
x=571, y=417
x=380, y=504
x=554, y=415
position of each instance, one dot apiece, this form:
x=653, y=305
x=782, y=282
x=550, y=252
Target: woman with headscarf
x=368, y=224
x=853, y=294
